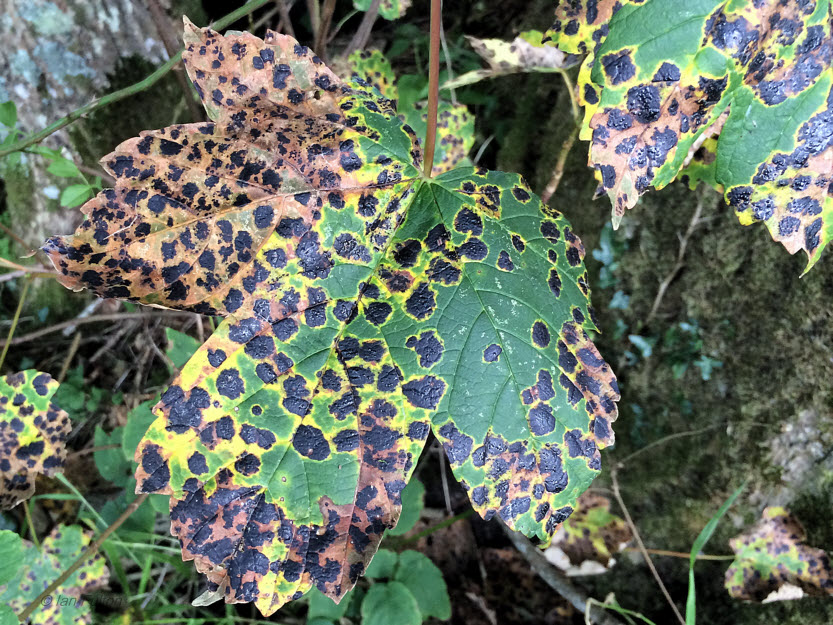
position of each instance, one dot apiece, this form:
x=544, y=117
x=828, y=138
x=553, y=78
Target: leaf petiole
x=433, y=87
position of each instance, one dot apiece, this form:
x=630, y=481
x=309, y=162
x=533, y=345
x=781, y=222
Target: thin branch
x=322, y=35
x=121, y=94
x=362, y=35
x=665, y=439
x=555, y=579
x=437, y=526
x=89, y=553
x=680, y=554
x=669, y=278
x=21, y=242
x=648, y=561
x=93, y=319
x=448, y=68
x=552, y=185
x=32, y=272
x=571, y=91
x=266, y=19
x=314, y=15
x=15, y=319
x=170, y=39
x=287, y=23
x=73, y=348
x=92, y=171
x=433, y=87
x=90, y=450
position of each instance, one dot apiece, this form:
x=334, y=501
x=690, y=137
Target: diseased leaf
x=365, y=305
x=525, y=53
x=773, y=563
x=373, y=68
x=581, y=25
x=33, y=432
x=664, y=73
x=39, y=568
x=588, y=539
x=455, y=125
x=388, y=9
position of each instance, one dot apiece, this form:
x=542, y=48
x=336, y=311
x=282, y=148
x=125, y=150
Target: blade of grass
x=697, y=547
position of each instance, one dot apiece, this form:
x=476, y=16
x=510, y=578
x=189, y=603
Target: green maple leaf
x=365, y=305
x=40, y=567
x=752, y=80
x=772, y=556
x=33, y=433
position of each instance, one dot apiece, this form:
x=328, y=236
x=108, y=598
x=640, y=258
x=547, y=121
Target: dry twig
x=641, y=545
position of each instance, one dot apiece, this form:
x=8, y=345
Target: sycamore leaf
x=39, y=568
x=772, y=562
x=525, y=53
x=365, y=305
x=388, y=9
x=33, y=433
x=455, y=125
x=664, y=73
x=587, y=540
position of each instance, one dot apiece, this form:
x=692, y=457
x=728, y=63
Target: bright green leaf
x=63, y=168
x=180, y=347
x=322, y=606
x=426, y=583
x=111, y=463
x=390, y=603
x=75, y=195
x=412, y=502
x=382, y=565
x=11, y=550
x=698, y=546
x=7, y=616
x=138, y=422
x=8, y=114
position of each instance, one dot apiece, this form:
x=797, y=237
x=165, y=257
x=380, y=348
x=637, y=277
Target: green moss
x=157, y=107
